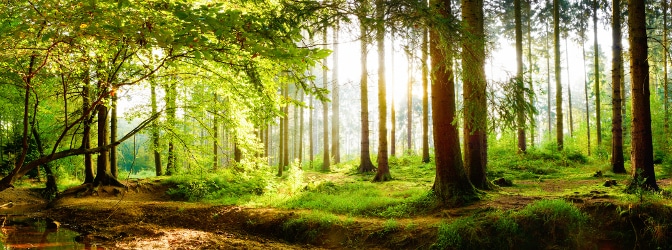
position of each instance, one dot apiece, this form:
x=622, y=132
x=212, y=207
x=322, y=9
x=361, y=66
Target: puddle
x=34, y=233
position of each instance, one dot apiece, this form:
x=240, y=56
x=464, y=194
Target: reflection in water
x=29, y=233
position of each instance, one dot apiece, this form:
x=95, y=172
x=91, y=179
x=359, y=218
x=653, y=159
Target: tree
x=642, y=143
x=475, y=103
x=451, y=183
x=520, y=113
x=559, y=133
x=171, y=103
x=425, y=97
x=383, y=172
x=409, y=104
x=598, y=123
x=365, y=164
x=335, y=112
x=114, y=170
x=86, y=130
x=393, y=111
x=617, y=160
x=325, y=115
x=155, y=129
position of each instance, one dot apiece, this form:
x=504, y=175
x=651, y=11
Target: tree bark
x=451, y=184
x=475, y=106
x=86, y=132
x=559, y=131
x=113, y=138
x=325, y=116
x=383, y=172
x=409, y=106
x=617, y=160
x=103, y=172
x=598, y=123
x=301, y=130
x=425, y=97
x=520, y=112
x=365, y=164
x=532, y=98
x=642, y=144
x=155, y=130
x=171, y=96
x=585, y=77
x=569, y=92
x=393, y=111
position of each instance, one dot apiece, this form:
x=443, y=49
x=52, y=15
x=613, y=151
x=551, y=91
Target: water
x=21, y=232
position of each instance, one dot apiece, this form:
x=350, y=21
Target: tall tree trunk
x=285, y=131
x=409, y=105
x=301, y=130
x=666, y=117
x=451, y=183
x=393, y=111
x=155, y=130
x=520, y=85
x=617, y=160
x=335, y=112
x=598, y=119
x=532, y=98
x=548, y=82
x=325, y=116
x=86, y=133
x=559, y=133
x=311, y=139
x=475, y=106
x=642, y=144
x=281, y=135
x=215, y=135
x=585, y=82
x=171, y=96
x=425, y=97
x=365, y=164
x=569, y=92
x=383, y=173
x=113, y=138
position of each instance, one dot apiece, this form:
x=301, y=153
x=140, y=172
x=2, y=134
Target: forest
x=295, y=124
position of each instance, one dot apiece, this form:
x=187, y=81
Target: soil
x=144, y=217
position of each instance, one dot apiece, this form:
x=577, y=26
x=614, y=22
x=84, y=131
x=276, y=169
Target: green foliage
x=223, y=187
x=537, y=162
x=543, y=224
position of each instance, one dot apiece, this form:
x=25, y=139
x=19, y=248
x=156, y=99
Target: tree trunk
x=475, y=106
x=617, y=160
x=86, y=132
x=520, y=85
x=425, y=97
x=393, y=111
x=335, y=112
x=285, y=131
x=409, y=106
x=532, y=98
x=585, y=77
x=598, y=119
x=215, y=137
x=365, y=164
x=113, y=138
x=451, y=184
x=311, y=140
x=325, y=116
x=51, y=189
x=383, y=173
x=103, y=172
x=569, y=92
x=171, y=96
x=548, y=83
x=155, y=130
x=666, y=115
x=559, y=133
x=301, y=130
x=281, y=135
x=642, y=145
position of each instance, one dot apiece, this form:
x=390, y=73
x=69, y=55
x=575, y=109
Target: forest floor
x=143, y=216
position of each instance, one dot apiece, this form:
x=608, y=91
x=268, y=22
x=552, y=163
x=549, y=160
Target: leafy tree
x=383, y=172
x=365, y=164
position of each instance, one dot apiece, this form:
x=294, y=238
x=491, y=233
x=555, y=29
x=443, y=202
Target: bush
x=225, y=186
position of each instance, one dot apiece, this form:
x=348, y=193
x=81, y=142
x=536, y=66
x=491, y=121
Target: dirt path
x=144, y=217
